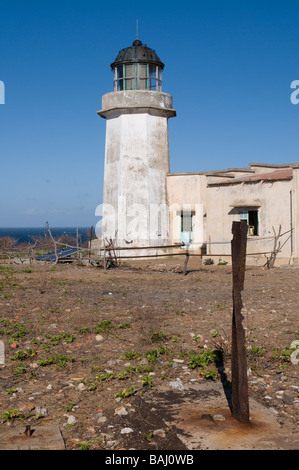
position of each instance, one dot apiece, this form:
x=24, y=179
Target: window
x=252, y=220
x=187, y=228
x=118, y=78
x=186, y=222
x=138, y=77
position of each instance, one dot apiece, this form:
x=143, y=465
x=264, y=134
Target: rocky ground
x=90, y=351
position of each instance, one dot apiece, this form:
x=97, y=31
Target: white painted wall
x=216, y=207
x=136, y=165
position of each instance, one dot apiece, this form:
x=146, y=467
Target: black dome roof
x=137, y=53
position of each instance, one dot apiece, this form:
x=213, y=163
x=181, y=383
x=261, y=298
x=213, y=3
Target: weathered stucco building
x=144, y=205
x=207, y=203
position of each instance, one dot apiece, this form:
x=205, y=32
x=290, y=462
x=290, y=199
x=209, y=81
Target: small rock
x=41, y=411
x=288, y=400
x=72, y=420
x=49, y=387
x=159, y=433
x=126, y=431
x=121, y=411
x=102, y=419
x=179, y=361
x=81, y=387
x=99, y=338
x=218, y=417
x=177, y=385
x=111, y=443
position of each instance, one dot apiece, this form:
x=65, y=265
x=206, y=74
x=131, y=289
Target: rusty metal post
x=240, y=401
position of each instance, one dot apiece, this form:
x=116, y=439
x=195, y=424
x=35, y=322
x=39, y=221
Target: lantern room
x=137, y=68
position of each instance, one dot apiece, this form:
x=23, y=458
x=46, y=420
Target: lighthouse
x=135, y=203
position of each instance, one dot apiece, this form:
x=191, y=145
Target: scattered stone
x=159, y=433
x=72, y=420
x=102, y=419
x=49, y=387
x=218, y=417
x=41, y=411
x=126, y=430
x=81, y=387
x=121, y=411
x=111, y=443
x=177, y=385
x=99, y=338
x=288, y=400
x=179, y=361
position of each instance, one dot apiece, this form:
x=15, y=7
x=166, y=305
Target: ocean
x=27, y=234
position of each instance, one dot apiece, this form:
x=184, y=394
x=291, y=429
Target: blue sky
x=229, y=66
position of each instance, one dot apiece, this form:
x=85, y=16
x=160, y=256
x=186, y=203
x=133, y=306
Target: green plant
x=222, y=263
x=209, y=261
x=84, y=329
x=215, y=333
x=12, y=415
x=131, y=355
x=147, y=381
x=10, y=391
x=220, y=307
x=66, y=337
x=149, y=436
x=125, y=393
x=256, y=351
x=103, y=325
x=124, y=325
x=19, y=370
x=175, y=339
x=70, y=407
x=282, y=354
x=93, y=386
x=131, y=370
x=105, y=376
x=158, y=336
x=122, y=376
x=209, y=374
x=83, y=445
x=203, y=360
x=60, y=359
x=23, y=355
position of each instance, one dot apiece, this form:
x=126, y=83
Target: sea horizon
x=27, y=234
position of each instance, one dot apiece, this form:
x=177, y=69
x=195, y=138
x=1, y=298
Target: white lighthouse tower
x=135, y=202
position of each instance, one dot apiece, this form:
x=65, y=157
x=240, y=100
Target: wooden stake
x=240, y=401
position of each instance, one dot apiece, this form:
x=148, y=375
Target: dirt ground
x=90, y=350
